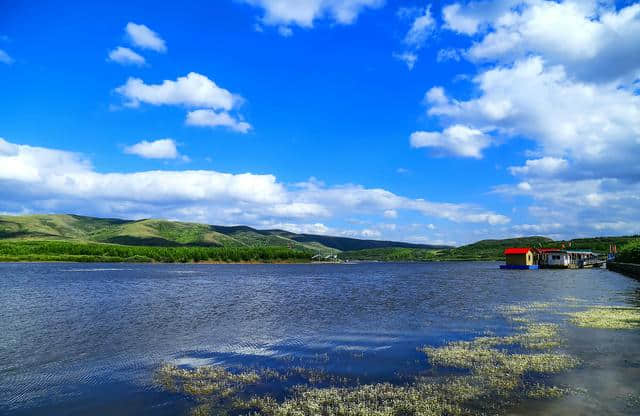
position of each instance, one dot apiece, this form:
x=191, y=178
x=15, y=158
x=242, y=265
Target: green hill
x=106, y=239
x=485, y=249
x=493, y=249
x=481, y=250
x=162, y=233
x=597, y=244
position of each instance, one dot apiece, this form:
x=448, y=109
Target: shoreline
x=628, y=269
x=2, y=261
x=160, y=262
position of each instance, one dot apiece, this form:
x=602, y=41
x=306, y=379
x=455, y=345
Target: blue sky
x=435, y=122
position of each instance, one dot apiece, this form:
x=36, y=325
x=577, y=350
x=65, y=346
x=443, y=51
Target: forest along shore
x=627, y=260
x=63, y=251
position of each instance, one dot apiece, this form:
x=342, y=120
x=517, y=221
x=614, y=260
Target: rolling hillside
x=485, y=249
x=170, y=234
x=481, y=250
x=152, y=232
x=493, y=249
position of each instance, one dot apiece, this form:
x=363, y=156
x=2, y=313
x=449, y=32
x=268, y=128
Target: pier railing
x=587, y=262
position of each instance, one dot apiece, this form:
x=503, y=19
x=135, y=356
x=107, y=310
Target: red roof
x=515, y=250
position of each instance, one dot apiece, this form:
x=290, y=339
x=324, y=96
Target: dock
x=518, y=267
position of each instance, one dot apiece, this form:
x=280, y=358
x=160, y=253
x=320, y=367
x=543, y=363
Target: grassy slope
x=153, y=232
x=53, y=226
x=349, y=244
x=163, y=233
x=148, y=232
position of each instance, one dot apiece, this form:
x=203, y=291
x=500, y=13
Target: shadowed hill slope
x=153, y=232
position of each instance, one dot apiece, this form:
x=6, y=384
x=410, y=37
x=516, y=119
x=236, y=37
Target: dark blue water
x=86, y=339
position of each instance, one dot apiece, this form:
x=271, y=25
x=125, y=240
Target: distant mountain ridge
x=154, y=232
x=486, y=250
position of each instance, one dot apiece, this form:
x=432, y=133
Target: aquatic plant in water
x=607, y=317
x=534, y=336
x=501, y=371
x=497, y=371
x=495, y=377
x=540, y=391
x=204, y=381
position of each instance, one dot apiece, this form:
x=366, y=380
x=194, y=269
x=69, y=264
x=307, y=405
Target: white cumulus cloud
x=305, y=12
x=143, y=37
x=126, y=56
x=210, y=118
x=585, y=36
x=192, y=90
x=561, y=78
x=471, y=17
x=545, y=166
x=594, y=127
x=40, y=179
x=455, y=140
x=157, y=149
x=583, y=207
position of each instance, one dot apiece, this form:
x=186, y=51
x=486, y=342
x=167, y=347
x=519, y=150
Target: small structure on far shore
x=326, y=258
x=520, y=258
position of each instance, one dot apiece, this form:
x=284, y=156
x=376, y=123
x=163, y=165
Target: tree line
x=96, y=252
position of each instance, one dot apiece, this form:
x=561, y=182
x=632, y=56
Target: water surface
x=81, y=339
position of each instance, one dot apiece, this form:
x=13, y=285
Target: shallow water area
x=94, y=338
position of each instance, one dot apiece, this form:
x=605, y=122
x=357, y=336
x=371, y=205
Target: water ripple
x=72, y=336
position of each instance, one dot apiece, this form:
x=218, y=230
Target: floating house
x=520, y=258
x=554, y=258
x=583, y=259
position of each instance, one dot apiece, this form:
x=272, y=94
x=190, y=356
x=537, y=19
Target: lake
x=106, y=339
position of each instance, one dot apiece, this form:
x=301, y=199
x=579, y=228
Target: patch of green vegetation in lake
x=494, y=378
x=604, y=317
